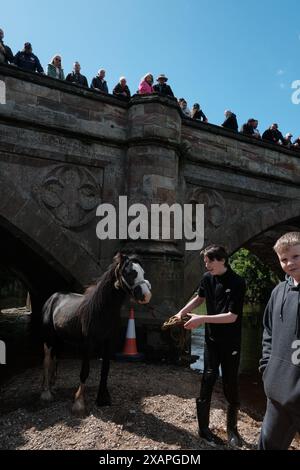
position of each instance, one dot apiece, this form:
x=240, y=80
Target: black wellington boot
x=234, y=439
x=203, y=408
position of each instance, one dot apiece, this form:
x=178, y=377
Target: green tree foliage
x=260, y=280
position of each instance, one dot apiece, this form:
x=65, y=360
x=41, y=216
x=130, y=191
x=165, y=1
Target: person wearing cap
x=288, y=140
x=198, y=114
x=162, y=88
x=121, y=89
x=55, y=69
x=6, y=55
x=98, y=82
x=26, y=60
x=76, y=77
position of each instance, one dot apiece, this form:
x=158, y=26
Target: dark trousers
x=279, y=427
x=228, y=357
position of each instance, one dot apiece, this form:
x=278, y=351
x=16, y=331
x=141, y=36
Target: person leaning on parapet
x=256, y=134
x=230, y=121
x=98, y=82
x=121, y=89
x=288, y=140
x=296, y=144
x=146, y=85
x=162, y=88
x=224, y=291
x=6, y=55
x=76, y=77
x=248, y=128
x=273, y=135
x=55, y=69
x=26, y=60
x=280, y=363
x=198, y=114
x=184, y=107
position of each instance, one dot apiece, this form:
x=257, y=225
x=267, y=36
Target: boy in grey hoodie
x=280, y=361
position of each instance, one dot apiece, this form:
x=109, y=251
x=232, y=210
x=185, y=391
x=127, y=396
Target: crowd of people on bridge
x=27, y=60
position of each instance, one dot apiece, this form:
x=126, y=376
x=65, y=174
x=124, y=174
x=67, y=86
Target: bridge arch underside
x=262, y=244
x=39, y=273
x=256, y=235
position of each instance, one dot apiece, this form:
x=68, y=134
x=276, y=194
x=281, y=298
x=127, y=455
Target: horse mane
x=97, y=294
x=90, y=287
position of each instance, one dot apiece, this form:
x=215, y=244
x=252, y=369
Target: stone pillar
x=153, y=178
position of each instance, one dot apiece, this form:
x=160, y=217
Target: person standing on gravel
x=223, y=291
x=280, y=362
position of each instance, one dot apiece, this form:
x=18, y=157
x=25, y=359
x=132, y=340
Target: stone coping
x=44, y=80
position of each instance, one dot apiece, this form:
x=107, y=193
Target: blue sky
x=223, y=54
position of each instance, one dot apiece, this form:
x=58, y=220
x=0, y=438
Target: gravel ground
x=153, y=408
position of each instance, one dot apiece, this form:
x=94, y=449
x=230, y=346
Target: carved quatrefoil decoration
x=71, y=195
x=214, y=205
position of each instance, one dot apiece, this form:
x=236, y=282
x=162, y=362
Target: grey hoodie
x=280, y=361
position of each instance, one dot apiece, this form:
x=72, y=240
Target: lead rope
x=178, y=334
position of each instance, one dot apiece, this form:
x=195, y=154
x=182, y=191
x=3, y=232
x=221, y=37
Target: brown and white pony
x=91, y=320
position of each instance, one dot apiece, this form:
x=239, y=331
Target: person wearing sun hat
x=162, y=88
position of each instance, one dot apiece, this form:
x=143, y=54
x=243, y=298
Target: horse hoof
x=103, y=402
x=78, y=408
x=46, y=395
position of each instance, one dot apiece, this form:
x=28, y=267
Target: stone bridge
x=64, y=150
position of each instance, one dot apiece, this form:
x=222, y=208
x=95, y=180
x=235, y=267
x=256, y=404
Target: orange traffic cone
x=130, y=352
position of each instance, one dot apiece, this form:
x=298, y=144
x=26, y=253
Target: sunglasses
x=57, y=59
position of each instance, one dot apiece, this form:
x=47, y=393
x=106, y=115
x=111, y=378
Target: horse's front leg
x=103, y=397
x=46, y=394
x=78, y=407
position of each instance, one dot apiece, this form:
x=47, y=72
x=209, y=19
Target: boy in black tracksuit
x=224, y=291
x=280, y=361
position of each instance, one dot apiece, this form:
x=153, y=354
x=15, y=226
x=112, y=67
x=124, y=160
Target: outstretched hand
x=182, y=316
x=176, y=320
x=194, y=322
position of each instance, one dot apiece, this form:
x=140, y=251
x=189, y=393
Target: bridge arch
x=267, y=224
x=39, y=252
